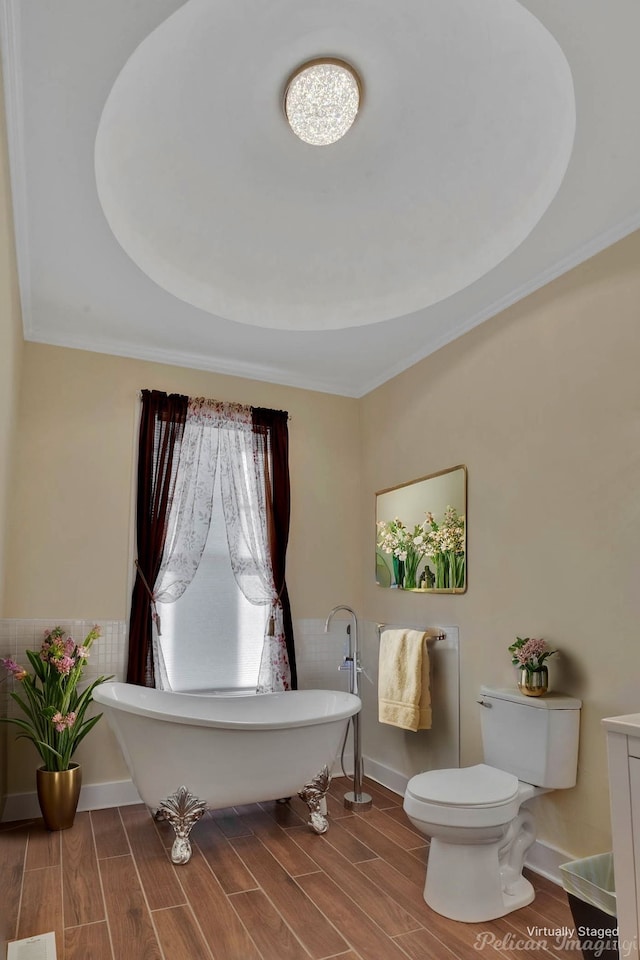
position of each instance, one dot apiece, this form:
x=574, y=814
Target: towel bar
x=431, y=636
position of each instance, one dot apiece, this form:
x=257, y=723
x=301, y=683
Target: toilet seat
x=480, y=785
x=477, y=796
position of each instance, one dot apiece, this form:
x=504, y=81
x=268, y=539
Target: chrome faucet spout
x=354, y=650
x=335, y=610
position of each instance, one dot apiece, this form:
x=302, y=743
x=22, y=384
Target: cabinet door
x=634, y=784
x=625, y=807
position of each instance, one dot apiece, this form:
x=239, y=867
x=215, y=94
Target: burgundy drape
x=271, y=435
x=161, y=430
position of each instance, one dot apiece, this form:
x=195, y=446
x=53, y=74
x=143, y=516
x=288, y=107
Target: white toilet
x=476, y=816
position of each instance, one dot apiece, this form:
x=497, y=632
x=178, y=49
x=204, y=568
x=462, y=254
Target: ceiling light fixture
x=321, y=100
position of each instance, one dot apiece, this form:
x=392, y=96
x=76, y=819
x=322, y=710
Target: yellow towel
x=404, y=698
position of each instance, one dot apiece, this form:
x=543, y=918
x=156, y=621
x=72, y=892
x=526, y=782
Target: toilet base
x=467, y=882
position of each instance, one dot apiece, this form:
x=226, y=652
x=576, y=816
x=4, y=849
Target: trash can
x=590, y=888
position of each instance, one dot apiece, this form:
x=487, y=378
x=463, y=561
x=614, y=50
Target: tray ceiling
x=164, y=210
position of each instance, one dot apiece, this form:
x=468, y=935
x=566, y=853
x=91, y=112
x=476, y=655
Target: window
x=212, y=636
x=213, y=497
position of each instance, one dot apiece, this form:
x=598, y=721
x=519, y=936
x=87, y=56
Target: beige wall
x=542, y=404
x=71, y=511
x=10, y=355
x=10, y=342
x=74, y=477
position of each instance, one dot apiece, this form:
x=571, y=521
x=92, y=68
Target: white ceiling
x=80, y=289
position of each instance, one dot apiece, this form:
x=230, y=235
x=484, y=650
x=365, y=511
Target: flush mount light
x=321, y=100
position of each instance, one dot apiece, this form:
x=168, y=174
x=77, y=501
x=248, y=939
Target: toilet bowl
x=474, y=816
x=477, y=817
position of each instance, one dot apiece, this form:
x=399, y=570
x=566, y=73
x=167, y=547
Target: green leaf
x=88, y=726
x=38, y=665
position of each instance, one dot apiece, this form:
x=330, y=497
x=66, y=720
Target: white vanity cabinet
x=623, y=749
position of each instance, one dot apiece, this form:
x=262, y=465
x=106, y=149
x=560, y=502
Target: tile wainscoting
x=318, y=653
x=318, y=656
x=108, y=653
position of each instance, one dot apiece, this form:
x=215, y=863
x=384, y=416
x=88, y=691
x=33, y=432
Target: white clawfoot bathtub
x=186, y=752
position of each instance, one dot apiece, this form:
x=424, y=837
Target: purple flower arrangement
x=530, y=653
x=53, y=706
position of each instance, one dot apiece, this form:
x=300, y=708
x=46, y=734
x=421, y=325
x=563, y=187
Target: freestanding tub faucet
x=355, y=799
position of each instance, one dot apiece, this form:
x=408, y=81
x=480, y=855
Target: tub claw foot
x=182, y=810
x=314, y=795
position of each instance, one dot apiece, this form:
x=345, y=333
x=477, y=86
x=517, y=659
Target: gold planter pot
x=58, y=793
x=533, y=683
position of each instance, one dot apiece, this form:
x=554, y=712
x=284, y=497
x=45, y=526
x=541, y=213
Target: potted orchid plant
x=529, y=655
x=54, y=707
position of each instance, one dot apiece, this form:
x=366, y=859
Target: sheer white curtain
x=245, y=481
x=222, y=433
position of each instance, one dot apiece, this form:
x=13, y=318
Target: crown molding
x=192, y=361
x=463, y=325
x=285, y=377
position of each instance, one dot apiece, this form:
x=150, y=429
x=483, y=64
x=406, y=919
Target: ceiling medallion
x=321, y=100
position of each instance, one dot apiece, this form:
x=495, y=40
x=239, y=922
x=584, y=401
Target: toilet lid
x=476, y=786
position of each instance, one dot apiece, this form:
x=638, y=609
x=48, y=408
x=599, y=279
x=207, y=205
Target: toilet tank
x=535, y=738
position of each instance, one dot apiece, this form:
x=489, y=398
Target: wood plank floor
x=260, y=886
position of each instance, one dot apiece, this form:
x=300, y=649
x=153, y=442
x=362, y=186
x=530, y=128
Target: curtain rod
x=289, y=417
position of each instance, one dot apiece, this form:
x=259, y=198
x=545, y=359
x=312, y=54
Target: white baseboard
x=388, y=777
x=93, y=796
x=542, y=858
x=122, y=793
x=96, y=796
